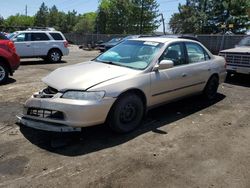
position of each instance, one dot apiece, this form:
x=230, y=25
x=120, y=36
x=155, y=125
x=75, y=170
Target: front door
x=23, y=45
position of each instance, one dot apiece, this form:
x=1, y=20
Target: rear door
x=198, y=64
x=40, y=43
x=23, y=45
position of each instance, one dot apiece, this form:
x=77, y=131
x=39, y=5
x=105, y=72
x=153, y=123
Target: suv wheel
x=54, y=56
x=4, y=74
x=211, y=88
x=126, y=114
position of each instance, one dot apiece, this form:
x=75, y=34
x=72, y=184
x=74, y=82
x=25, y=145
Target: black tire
x=4, y=73
x=54, y=56
x=211, y=88
x=126, y=114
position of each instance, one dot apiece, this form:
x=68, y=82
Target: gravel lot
x=190, y=143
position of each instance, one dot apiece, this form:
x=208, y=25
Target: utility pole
x=141, y=19
x=204, y=10
x=163, y=22
x=26, y=10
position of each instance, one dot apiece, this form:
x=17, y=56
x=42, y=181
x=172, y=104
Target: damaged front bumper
x=63, y=115
x=45, y=126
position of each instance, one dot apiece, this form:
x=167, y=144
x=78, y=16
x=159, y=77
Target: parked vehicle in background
x=103, y=46
x=238, y=58
x=106, y=46
x=9, y=60
x=46, y=44
x=120, y=85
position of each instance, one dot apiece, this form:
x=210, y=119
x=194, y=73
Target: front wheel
x=211, y=88
x=54, y=56
x=126, y=114
x=4, y=74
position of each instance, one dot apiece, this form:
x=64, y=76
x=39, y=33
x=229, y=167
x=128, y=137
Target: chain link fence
x=214, y=43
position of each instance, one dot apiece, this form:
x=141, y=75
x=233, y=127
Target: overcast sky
x=12, y=7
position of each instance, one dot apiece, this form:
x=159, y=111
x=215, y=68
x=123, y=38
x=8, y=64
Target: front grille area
x=43, y=113
x=233, y=58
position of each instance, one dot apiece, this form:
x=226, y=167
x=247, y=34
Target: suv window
x=196, y=53
x=56, y=36
x=21, y=37
x=174, y=52
x=3, y=37
x=39, y=37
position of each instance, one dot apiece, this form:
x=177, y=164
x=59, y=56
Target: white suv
x=46, y=44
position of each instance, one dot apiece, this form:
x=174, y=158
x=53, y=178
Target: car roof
x=37, y=31
x=162, y=39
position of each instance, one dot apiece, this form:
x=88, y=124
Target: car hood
x=237, y=50
x=82, y=76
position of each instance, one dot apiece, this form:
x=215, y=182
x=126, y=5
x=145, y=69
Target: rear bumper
x=65, y=51
x=222, y=77
x=14, y=61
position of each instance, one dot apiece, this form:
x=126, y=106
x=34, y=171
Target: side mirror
x=164, y=64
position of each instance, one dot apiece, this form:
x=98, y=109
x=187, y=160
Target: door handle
x=184, y=75
x=28, y=44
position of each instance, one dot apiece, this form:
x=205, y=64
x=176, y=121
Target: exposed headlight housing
x=84, y=95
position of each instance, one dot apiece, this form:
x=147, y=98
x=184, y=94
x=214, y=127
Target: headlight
x=84, y=95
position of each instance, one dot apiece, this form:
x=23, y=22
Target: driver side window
x=174, y=52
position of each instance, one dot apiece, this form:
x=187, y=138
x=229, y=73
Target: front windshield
x=245, y=42
x=131, y=53
x=11, y=35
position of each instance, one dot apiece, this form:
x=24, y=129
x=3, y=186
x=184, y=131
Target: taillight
x=66, y=44
x=11, y=46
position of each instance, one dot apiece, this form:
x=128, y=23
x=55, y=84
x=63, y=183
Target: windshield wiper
x=109, y=62
x=117, y=64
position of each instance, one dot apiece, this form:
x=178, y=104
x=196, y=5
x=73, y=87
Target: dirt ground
x=190, y=143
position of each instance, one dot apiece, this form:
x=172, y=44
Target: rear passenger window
x=196, y=53
x=39, y=37
x=56, y=36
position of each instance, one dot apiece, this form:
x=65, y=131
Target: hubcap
x=55, y=56
x=2, y=73
x=128, y=113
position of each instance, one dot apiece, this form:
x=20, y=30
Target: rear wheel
x=4, y=74
x=211, y=88
x=54, y=56
x=126, y=114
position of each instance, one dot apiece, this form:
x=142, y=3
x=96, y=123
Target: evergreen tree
x=127, y=17
x=53, y=17
x=1, y=20
x=41, y=17
x=211, y=16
